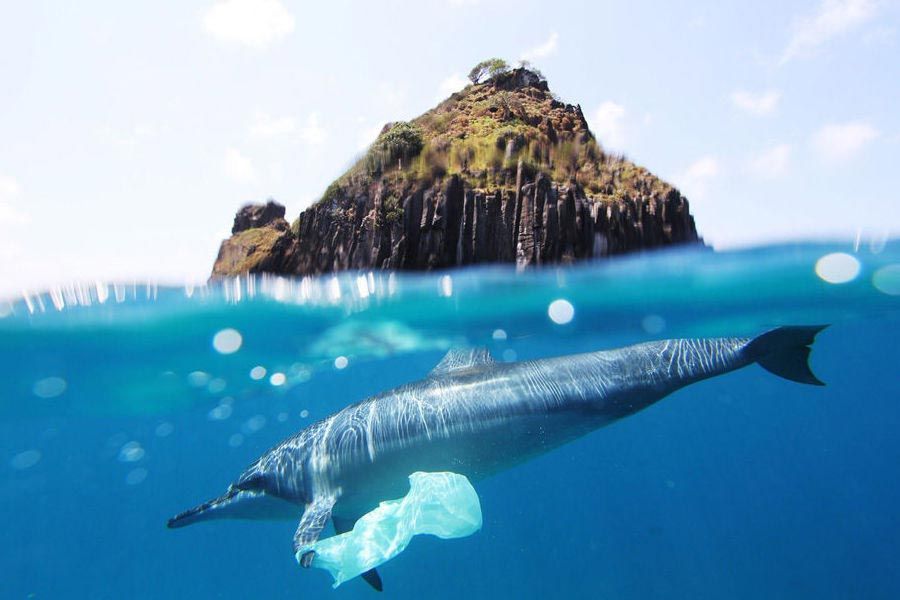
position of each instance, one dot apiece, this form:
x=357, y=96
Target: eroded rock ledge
x=450, y=225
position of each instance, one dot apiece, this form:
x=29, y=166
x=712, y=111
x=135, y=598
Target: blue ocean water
x=121, y=406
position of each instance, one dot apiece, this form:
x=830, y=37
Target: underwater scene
x=125, y=404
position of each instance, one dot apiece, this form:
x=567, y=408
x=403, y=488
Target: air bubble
x=653, y=324
x=25, y=460
x=227, y=341
x=561, y=311
x=136, y=476
x=49, y=387
x=131, y=452
x=887, y=280
x=837, y=267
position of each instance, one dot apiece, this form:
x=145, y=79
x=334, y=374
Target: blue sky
x=132, y=132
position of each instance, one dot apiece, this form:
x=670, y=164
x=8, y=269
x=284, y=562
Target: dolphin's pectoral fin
x=457, y=360
x=311, y=525
x=371, y=576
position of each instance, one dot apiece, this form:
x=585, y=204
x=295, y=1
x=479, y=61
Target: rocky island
x=501, y=171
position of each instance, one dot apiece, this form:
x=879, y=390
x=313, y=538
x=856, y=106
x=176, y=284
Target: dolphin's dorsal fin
x=457, y=360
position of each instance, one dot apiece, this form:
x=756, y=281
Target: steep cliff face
x=500, y=172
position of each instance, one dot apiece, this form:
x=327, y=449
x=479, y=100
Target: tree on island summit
x=524, y=64
x=490, y=67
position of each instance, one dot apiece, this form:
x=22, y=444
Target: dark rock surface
x=451, y=225
x=257, y=215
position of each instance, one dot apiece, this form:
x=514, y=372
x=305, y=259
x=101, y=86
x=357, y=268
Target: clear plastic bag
x=440, y=504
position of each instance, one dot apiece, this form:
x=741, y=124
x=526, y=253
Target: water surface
x=122, y=404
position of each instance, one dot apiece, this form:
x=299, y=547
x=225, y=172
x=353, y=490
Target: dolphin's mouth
x=238, y=503
x=192, y=515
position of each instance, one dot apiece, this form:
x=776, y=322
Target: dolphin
x=476, y=417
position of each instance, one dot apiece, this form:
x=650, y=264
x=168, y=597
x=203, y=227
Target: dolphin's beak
x=201, y=512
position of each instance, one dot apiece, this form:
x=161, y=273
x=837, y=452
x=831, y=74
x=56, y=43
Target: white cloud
x=368, y=135
x=9, y=188
x=238, y=167
x=542, y=50
x=391, y=95
x=253, y=23
x=451, y=84
x=312, y=132
x=834, y=17
x=760, y=104
x=771, y=162
x=9, y=251
x=839, y=142
x=608, y=124
x=10, y=194
x=129, y=136
x=267, y=126
x=881, y=36
x=695, y=179
x=698, y=21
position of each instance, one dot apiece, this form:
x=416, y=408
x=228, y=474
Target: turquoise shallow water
x=120, y=406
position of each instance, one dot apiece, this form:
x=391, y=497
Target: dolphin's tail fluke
x=785, y=352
